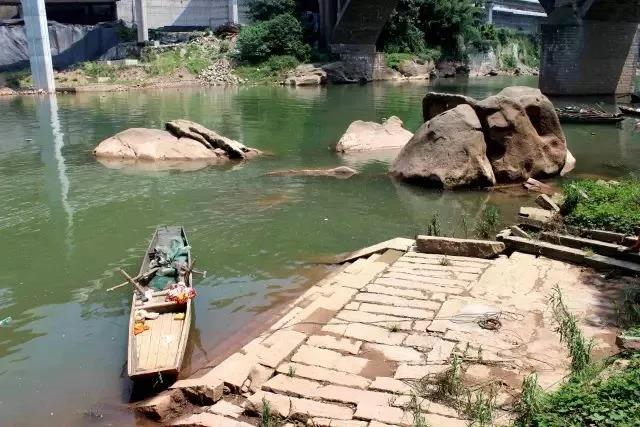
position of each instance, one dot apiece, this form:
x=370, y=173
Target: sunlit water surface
x=68, y=222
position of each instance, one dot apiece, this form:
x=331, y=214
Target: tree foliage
x=449, y=25
x=278, y=36
x=264, y=10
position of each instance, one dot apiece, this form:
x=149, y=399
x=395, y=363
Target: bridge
x=589, y=47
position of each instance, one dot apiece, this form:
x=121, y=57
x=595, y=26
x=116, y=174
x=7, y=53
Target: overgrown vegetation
x=603, y=205
x=587, y=398
x=276, y=31
x=271, y=70
x=488, y=223
x=453, y=29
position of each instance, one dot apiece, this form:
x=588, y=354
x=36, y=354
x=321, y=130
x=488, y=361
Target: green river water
x=68, y=222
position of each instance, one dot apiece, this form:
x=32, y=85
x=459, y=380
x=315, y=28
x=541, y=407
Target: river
x=68, y=222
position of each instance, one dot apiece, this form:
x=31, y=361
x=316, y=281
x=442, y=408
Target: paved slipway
x=350, y=351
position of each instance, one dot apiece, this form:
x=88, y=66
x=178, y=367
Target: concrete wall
x=524, y=23
x=185, y=13
x=592, y=58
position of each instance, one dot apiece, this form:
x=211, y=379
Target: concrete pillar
x=141, y=21
x=589, y=58
x=35, y=22
x=489, y=10
x=233, y=11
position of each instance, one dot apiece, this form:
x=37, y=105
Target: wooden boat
x=161, y=348
x=587, y=115
x=629, y=110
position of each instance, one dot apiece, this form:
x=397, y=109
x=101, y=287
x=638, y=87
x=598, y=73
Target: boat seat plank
x=166, y=340
x=176, y=332
x=150, y=361
x=142, y=347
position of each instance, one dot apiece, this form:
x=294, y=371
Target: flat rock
x=210, y=139
x=545, y=202
x=370, y=136
x=227, y=409
x=341, y=172
x=207, y=389
x=459, y=247
x=153, y=144
x=279, y=405
x=206, y=419
x=156, y=407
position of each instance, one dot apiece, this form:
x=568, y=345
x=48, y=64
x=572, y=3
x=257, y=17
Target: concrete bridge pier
x=35, y=21
x=589, y=58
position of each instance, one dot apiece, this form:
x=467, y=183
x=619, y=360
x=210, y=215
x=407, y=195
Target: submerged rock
x=184, y=141
x=369, y=136
x=448, y=151
x=341, y=172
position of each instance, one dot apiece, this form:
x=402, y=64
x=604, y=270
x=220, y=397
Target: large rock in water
x=448, y=151
x=369, y=136
x=184, y=141
x=153, y=144
x=522, y=131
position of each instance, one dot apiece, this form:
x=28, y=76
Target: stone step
x=399, y=244
x=612, y=250
x=565, y=253
x=459, y=247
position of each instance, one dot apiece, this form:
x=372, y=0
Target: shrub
x=487, y=224
x=395, y=60
x=614, y=401
x=98, y=69
x=270, y=70
x=264, y=10
x=281, y=35
x=602, y=205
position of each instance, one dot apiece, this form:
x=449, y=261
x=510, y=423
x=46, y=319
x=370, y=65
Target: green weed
x=444, y=261
x=433, y=229
x=487, y=225
x=602, y=205
x=99, y=69
x=530, y=402
x=480, y=405
x=570, y=334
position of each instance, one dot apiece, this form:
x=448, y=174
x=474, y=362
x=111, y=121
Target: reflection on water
x=68, y=222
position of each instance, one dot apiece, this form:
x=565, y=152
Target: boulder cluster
x=182, y=140
x=509, y=137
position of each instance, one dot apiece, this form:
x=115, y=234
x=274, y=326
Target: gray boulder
x=448, y=151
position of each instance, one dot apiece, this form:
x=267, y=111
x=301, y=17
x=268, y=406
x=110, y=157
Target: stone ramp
x=351, y=348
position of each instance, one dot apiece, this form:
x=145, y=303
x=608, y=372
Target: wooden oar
x=137, y=278
x=135, y=284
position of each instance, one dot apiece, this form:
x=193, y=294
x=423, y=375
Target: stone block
x=396, y=301
x=258, y=375
x=399, y=243
x=277, y=347
x=381, y=320
x=348, y=395
x=440, y=352
x=549, y=250
x=420, y=340
x=204, y=390
x=346, y=345
x=396, y=353
x=318, y=373
x=414, y=284
x=157, y=407
x=439, y=420
x=291, y=386
x=329, y=359
x=388, y=290
x=278, y=404
x=519, y=232
x=415, y=313
x=442, y=281
x=384, y=413
x=456, y=261
x=390, y=385
x=459, y=247
x=329, y=422
x=415, y=372
x=545, y=202
x=227, y=409
x=303, y=409
x=375, y=334
x=206, y=419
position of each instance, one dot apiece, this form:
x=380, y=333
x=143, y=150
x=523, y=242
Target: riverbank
x=208, y=60
x=376, y=341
